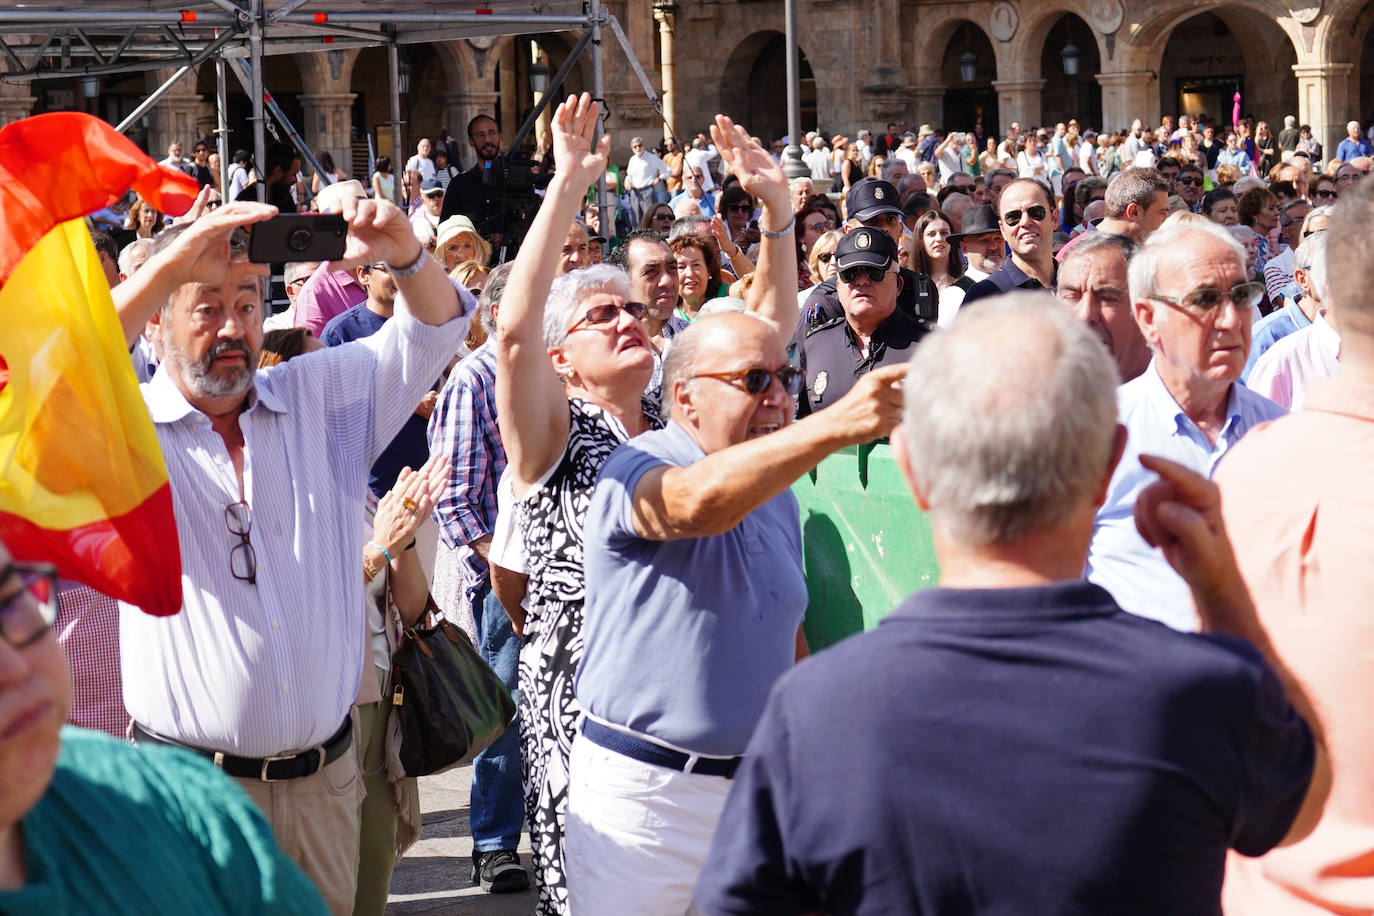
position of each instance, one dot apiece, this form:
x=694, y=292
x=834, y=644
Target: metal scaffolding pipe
x=222, y=122
x=548, y=23
x=398, y=172
x=598, y=93
x=103, y=17
x=271, y=107
x=259, y=118
x=153, y=98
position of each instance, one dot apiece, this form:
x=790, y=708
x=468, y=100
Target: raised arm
x=715, y=494
x=531, y=406
x=773, y=295
x=378, y=230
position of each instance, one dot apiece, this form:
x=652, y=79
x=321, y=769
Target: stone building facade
x=865, y=63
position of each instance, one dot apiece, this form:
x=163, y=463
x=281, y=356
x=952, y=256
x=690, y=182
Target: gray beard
x=197, y=374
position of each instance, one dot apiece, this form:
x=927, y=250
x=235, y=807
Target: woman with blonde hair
x=457, y=241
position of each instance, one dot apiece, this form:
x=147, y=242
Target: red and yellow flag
x=82, y=482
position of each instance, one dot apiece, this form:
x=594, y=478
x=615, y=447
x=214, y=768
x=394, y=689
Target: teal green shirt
x=150, y=830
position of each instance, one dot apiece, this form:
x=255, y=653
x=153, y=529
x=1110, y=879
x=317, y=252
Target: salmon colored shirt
x=1299, y=507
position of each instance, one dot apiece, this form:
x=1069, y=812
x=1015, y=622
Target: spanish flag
x=82, y=482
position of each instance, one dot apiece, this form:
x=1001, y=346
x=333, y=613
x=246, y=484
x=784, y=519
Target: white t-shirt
x=424, y=166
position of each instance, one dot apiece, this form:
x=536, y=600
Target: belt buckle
x=268, y=761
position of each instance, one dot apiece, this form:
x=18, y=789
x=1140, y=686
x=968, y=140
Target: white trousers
x=637, y=834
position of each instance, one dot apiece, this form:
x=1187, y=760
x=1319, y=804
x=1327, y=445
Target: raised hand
x=200, y=254
x=751, y=163
x=378, y=231
x=577, y=156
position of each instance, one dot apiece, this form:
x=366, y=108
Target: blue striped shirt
x=463, y=427
x=273, y=667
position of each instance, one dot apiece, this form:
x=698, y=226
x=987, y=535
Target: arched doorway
x=1069, y=64
x=1211, y=56
x=753, y=87
x=971, y=101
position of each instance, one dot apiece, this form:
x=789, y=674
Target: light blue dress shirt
x=1119, y=560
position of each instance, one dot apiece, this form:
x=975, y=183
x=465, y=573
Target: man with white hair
x=1011, y=741
x=1297, y=312
x=802, y=189
x=1284, y=372
x=1289, y=136
x=1193, y=303
x=1354, y=143
x=645, y=174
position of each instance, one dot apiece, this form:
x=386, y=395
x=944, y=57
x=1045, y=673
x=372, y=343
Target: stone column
x=173, y=118
x=328, y=125
x=462, y=107
x=15, y=102
x=668, y=68
x=1128, y=95
x=1320, y=86
x=1018, y=100
x=930, y=104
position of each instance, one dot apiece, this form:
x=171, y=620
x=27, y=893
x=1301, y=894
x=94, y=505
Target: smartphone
x=298, y=237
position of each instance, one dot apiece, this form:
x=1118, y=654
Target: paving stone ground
x=435, y=877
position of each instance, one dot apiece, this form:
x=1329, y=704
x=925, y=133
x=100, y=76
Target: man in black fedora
x=981, y=242
x=873, y=203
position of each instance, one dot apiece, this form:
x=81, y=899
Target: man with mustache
x=1026, y=214
x=267, y=469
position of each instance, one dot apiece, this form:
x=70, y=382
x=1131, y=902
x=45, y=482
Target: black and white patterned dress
x=551, y=516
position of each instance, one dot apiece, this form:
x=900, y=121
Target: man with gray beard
x=267, y=470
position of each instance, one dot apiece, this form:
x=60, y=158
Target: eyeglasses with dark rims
x=600, y=315
x=1013, y=217
x=1205, y=300
x=757, y=381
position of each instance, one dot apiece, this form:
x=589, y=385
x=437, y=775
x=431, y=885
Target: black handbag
x=447, y=705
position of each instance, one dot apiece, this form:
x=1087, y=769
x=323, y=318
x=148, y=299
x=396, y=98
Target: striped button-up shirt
x=463, y=427
x=272, y=667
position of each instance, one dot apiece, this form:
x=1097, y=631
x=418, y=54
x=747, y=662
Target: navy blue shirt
x=1010, y=751
x=410, y=448
x=1007, y=279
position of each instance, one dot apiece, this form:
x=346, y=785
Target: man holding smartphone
x=267, y=468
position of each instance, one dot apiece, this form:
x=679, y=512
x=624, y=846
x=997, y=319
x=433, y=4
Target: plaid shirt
x=463, y=427
x=87, y=628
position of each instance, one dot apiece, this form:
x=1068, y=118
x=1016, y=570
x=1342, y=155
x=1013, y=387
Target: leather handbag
x=447, y=705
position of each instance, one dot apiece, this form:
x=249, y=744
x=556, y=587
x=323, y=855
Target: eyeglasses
x=740, y=208
x=1325, y=194
x=825, y=256
x=599, y=315
x=1013, y=217
x=243, y=562
x=1205, y=299
x=666, y=216
x=817, y=227
x=758, y=381
x=698, y=176
x=851, y=274
x=1191, y=182
x=29, y=613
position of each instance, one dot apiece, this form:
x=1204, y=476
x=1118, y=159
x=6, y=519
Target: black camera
x=298, y=237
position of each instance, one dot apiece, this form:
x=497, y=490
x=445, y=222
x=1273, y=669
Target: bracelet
x=411, y=270
x=370, y=571
x=382, y=550
x=780, y=234
x=411, y=545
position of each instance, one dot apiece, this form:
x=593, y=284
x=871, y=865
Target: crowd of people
x=1133, y=689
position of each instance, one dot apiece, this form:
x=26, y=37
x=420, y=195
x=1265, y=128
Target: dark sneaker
x=499, y=872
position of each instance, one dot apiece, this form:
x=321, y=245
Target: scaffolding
x=91, y=38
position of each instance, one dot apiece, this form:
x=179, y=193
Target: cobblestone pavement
x=435, y=877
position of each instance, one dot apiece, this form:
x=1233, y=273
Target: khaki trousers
x=315, y=819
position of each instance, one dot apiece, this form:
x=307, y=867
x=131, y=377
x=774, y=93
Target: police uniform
x=917, y=296
x=833, y=358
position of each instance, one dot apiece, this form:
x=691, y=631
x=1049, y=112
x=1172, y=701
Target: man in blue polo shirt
x=695, y=596
x=1025, y=212
x=1011, y=741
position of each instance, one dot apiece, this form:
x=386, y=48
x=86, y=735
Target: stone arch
x=753, y=85
x=938, y=28
x=1065, y=97
x=1029, y=41
x=1347, y=36
x=942, y=96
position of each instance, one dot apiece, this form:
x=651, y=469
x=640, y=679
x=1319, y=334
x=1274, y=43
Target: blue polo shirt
x=1010, y=751
x=684, y=638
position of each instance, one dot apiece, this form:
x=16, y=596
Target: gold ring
x=410, y=504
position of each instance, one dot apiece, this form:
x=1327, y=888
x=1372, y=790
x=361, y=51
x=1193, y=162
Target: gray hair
x=721, y=305
x=1010, y=419
x=126, y=257
x=297, y=270
x=686, y=225
x=1325, y=211
x=570, y=290
x=1098, y=241
x=1310, y=256
x=1350, y=257
x=1133, y=186
x=799, y=181
x=1144, y=267
x=491, y=295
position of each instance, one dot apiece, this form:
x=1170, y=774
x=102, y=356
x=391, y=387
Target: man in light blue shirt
x=1353, y=145
x=1192, y=302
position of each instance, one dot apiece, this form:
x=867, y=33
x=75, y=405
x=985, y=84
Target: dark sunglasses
x=818, y=227
x=825, y=256
x=1191, y=182
x=758, y=381
x=1205, y=299
x=1325, y=194
x=876, y=274
x=741, y=208
x=599, y=315
x=1013, y=217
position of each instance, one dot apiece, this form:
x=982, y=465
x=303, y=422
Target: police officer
x=873, y=202
x=871, y=331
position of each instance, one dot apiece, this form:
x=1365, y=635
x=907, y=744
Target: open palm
x=578, y=157
x=746, y=159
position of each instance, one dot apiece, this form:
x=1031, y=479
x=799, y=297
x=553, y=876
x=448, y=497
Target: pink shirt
x=1300, y=511
x=327, y=293
x=1285, y=370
